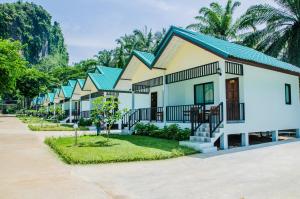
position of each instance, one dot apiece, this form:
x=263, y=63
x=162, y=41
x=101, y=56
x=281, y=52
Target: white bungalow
x=214, y=87
x=102, y=83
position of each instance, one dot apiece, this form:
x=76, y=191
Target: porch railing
x=133, y=118
x=152, y=114
x=198, y=117
x=85, y=114
x=235, y=111
x=181, y=113
x=215, y=118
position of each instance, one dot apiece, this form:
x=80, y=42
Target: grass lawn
x=55, y=127
x=118, y=148
x=33, y=120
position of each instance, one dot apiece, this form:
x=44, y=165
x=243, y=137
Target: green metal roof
x=56, y=90
x=71, y=82
x=106, y=79
x=224, y=49
x=145, y=57
x=67, y=91
x=51, y=97
x=81, y=82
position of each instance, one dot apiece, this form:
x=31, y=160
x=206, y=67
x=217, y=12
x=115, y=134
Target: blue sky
x=92, y=25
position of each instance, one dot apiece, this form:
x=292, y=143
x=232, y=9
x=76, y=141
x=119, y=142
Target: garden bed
x=118, y=148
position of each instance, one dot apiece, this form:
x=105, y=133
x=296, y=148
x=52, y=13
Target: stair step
x=198, y=146
x=200, y=139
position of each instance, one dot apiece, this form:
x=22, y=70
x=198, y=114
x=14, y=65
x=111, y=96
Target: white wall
x=264, y=97
x=182, y=93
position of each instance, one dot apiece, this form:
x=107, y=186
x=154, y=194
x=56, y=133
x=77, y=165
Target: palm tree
x=280, y=35
x=142, y=40
x=217, y=21
x=105, y=57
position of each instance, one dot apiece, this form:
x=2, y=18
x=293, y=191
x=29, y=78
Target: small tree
x=106, y=113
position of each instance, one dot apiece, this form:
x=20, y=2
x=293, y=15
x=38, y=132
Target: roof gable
x=106, y=79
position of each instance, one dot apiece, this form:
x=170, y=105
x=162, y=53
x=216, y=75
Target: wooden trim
x=125, y=79
x=264, y=66
x=159, y=68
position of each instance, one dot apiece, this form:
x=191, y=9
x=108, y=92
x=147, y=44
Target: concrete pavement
x=28, y=169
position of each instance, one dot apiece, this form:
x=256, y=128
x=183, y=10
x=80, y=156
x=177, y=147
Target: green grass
x=33, y=120
x=118, y=148
x=55, y=127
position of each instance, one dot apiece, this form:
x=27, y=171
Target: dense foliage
x=12, y=65
x=217, y=21
x=280, y=35
x=31, y=25
x=171, y=132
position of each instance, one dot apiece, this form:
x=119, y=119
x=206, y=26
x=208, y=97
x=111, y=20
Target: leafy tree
x=86, y=65
x=31, y=25
x=217, y=21
x=106, y=112
x=105, y=57
x=32, y=82
x=143, y=40
x=280, y=35
x=63, y=74
x=12, y=65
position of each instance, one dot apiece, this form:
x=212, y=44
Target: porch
x=191, y=116
x=212, y=93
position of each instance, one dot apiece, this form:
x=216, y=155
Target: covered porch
x=211, y=93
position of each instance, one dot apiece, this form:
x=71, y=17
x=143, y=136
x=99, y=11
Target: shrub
x=171, y=132
x=144, y=129
x=85, y=122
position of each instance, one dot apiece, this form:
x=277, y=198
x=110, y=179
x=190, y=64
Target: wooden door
x=153, y=105
x=233, y=99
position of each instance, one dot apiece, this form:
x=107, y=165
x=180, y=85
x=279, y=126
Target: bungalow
x=64, y=96
x=102, y=83
x=215, y=87
x=77, y=92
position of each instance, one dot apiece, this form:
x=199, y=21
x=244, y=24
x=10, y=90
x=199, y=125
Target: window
x=204, y=93
x=288, y=97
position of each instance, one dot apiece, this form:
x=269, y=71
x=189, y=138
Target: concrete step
x=202, y=134
x=200, y=139
x=198, y=146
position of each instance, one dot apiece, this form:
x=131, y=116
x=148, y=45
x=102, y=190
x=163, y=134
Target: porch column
x=224, y=141
x=275, y=136
x=165, y=100
x=54, y=107
x=70, y=111
x=132, y=100
x=222, y=89
x=90, y=103
x=245, y=139
x=297, y=133
x=80, y=107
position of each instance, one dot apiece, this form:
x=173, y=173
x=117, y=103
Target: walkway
x=28, y=169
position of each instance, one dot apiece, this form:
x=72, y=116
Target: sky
x=93, y=25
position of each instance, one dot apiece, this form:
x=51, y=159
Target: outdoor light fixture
x=219, y=71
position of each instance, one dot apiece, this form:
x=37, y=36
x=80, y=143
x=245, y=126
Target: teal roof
x=224, y=49
x=106, y=79
x=56, y=90
x=146, y=58
x=81, y=82
x=51, y=97
x=71, y=82
x=67, y=91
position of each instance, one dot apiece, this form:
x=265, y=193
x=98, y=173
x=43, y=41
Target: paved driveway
x=29, y=169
